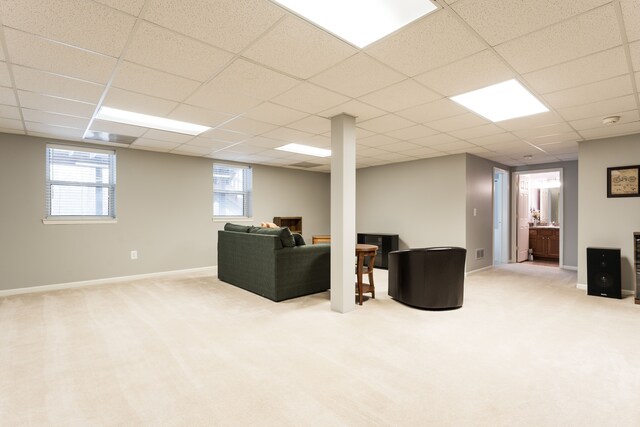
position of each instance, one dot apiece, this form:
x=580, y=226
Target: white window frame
x=247, y=192
x=110, y=217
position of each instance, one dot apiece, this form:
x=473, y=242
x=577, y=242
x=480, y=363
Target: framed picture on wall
x=622, y=181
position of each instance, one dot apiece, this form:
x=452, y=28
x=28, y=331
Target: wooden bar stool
x=362, y=252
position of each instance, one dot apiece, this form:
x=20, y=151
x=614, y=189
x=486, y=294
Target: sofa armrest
x=302, y=270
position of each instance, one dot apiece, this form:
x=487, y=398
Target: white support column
x=343, y=212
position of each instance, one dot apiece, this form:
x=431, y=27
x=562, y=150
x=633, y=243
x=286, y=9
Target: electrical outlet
x=134, y=254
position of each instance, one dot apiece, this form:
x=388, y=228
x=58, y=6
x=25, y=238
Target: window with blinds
x=231, y=191
x=80, y=183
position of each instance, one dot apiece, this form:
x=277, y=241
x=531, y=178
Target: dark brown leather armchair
x=431, y=278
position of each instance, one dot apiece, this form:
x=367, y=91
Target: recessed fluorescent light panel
x=144, y=120
x=360, y=22
x=305, y=149
x=502, y=101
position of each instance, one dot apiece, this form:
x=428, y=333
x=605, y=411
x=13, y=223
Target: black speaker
x=603, y=272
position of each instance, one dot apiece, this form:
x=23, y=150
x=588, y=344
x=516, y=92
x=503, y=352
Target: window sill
x=230, y=219
x=47, y=221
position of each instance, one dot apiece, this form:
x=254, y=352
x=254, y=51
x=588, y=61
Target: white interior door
x=523, y=219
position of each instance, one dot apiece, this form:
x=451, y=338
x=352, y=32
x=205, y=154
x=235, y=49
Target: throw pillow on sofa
x=283, y=233
x=298, y=239
x=237, y=228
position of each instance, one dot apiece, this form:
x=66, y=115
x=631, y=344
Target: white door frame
x=514, y=208
x=504, y=228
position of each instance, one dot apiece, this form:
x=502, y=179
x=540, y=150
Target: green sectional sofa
x=266, y=262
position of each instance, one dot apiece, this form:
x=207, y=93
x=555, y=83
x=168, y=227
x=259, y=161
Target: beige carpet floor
x=526, y=349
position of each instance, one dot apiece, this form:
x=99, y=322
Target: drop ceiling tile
x=478, y=151
x=477, y=132
x=36, y=52
x=80, y=23
x=593, y=68
x=319, y=141
x=493, y=139
x=210, y=96
x=462, y=121
x=132, y=7
x=583, y=35
x=552, y=139
x=243, y=149
x=54, y=119
x=546, y=130
x=631, y=14
x=474, y=72
x=360, y=133
x=611, y=88
x=428, y=43
x=253, y=80
x=200, y=116
x=638, y=79
x=634, y=50
x=561, y=147
x=161, y=135
x=286, y=48
x=192, y=150
x=623, y=129
x=500, y=20
x=53, y=104
x=138, y=78
x=261, y=141
x=173, y=53
x=520, y=123
x=276, y=114
x=310, y=98
x=365, y=151
x=400, y=96
x=412, y=132
x=145, y=104
x=423, y=153
x=394, y=157
x=19, y=131
x=224, y=135
x=357, y=75
x=229, y=24
x=248, y=126
x=453, y=146
x=376, y=140
x=430, y=141
x=39, y=129
x=436, y=110
x=7, y=96
x=399, y=147
x=5, y=78
x=57, y=85
x=117, y=128
x=605, y=108
x=9, y=112
x=355, y=108
x=512, y=147
x=567, y=157
x=210, y=144
x=386, y=123
x=162, y=146
x=312, y=124
x=289, y=135
x=11, y=124
x=596, y=122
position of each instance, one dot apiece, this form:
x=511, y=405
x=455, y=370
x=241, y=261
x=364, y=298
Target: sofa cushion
x=298, y=239
x=283, y=233
x=237, y=227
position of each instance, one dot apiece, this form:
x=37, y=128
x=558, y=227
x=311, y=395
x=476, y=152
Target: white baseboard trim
x=569, y=267
x=478, y=270
x=625, y=292
x=209, y=271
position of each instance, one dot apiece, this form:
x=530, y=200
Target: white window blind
x=80, y=183
x=232, y=191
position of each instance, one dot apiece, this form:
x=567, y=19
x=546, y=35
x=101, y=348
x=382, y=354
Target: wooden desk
x=363, y=251
x=321, y=238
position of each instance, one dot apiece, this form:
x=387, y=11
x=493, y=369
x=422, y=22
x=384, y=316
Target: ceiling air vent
x=94, y=135
x=306, y=165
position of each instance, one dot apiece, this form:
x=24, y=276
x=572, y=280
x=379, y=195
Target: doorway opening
x=500, y=216
x=538, y=209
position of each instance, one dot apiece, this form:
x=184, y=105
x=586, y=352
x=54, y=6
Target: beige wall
x=163, y=203
x=423, y=201
x=606, y=222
